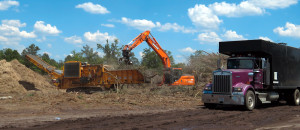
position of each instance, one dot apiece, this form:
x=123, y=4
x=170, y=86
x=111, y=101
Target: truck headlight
x=250, y=73
x=237, y=89
x=208, y=88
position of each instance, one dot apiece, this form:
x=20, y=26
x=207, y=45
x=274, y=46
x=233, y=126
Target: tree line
x=111, y=52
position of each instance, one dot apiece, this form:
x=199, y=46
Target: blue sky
x=60, y=26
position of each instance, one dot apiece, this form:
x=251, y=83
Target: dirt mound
x=17, y=78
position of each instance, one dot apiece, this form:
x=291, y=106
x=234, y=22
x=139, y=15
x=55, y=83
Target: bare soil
x=197, y=117
x=29, y=101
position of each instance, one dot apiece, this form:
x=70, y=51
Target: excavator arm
x=151, y=41
x=172, y=76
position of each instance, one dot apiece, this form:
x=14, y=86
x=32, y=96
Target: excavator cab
x=171, y=75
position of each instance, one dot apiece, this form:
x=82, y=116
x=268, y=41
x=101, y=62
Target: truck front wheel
x=249, y=100
x=296, y=97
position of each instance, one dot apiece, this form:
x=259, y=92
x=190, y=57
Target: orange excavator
x=172, y=76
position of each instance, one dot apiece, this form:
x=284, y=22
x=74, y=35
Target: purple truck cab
x=257, y=71
x=231, y=85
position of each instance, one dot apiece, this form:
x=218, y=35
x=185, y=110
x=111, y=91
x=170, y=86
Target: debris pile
x=17, y=78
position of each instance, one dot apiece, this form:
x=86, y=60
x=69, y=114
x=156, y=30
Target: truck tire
x=250, y=100
x=210, y=105
x=296, y=97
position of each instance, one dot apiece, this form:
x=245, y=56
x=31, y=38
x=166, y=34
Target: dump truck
x=77, y=74
x=258, y=71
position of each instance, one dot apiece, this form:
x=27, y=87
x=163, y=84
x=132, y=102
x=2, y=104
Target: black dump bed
x=285, y=60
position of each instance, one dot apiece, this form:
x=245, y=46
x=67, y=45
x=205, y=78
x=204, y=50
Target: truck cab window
x=240, y=64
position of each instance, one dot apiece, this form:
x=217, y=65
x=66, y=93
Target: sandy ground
x=29, y=101
x=35, y=107
x=165, y=112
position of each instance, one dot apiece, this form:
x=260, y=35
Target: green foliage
x=201, y=64
x=179, y=65
x=32, y=49
x=52, y=62
x=133, y=59
x=87, y=54
x=90, y=55
x=152, y=60
x=30, y=94
x=75, y=56
x=112, y=52
x=2, y=56
x=9, y=54
x=197, y=54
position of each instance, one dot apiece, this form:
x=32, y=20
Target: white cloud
x=108, y=25
x=101, y=54
x=265, y=38
x=57, y=56
x=43, y=38
x=210, y=37
x=48, y=53
x=179, y=56
x=181, y=59
x=12, y=30
x=93, y=8
x=188, y=49
x=234, y=10
x=6, y=4
x=141, y=54
x=49, y=45
x=40, y=26
x=98, y=37
x=176, y=28
x=208, y=16
x=14, y=23
x=143, y=24
x=11, y=35
x=232, y=35
x=73, y=40
x=140, y=24
x=11, y=42
x=3, y=39
x=204, y=17
x=27, y=35
x=273, y=4
x=290, y=30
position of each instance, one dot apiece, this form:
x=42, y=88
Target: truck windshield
x=239, y=64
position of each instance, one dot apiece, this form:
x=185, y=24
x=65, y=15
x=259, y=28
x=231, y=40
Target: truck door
x=258, y=74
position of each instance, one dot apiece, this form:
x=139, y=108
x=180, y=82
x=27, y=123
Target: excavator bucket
x=126, y=57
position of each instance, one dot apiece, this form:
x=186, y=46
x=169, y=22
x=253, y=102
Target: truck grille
x=222, y=82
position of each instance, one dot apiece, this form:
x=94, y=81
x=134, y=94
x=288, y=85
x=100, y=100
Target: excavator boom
x=172, y=76
x=151, y=41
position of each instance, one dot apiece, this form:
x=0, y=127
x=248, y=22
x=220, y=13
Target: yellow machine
x=78, y=74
